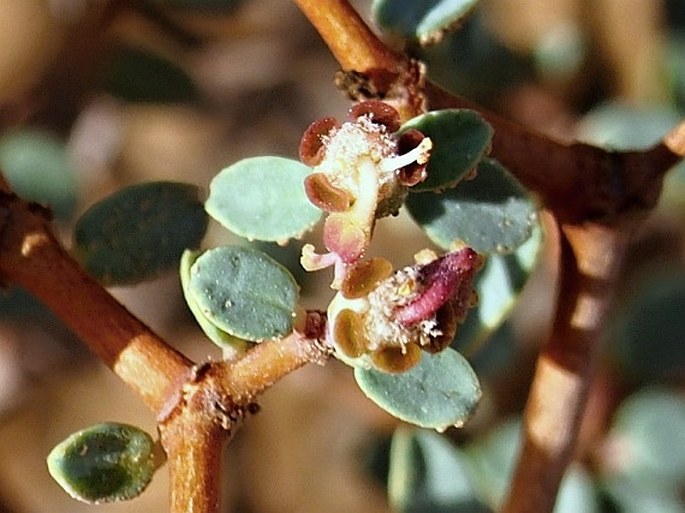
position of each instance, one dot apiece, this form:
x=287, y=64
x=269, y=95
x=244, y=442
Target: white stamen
x=420, y=155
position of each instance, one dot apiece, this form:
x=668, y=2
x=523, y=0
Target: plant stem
x=350, y=40
x=603, y=183
x=32, y=258
x=194, y=442
x=591, y=257
x=266, y=363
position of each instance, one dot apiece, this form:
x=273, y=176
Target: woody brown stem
x=591, y=257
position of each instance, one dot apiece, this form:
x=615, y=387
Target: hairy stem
x=31, y=257
x=591, y=257
x=194, y=442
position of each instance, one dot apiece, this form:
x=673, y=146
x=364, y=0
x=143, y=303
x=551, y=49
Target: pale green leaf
x=263, y=198
x=441, y=391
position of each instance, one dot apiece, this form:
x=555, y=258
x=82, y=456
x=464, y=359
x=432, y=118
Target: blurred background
x=95, y=95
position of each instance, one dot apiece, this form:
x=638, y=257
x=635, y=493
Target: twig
x=350, y=40
x=32, y=258
x=591, y=257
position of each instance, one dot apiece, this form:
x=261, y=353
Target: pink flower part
x=312, y=261
x=345, y=237
x=446, y=279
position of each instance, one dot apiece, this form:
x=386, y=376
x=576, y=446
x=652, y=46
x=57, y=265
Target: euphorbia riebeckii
x=385, y=319
x=361, y=172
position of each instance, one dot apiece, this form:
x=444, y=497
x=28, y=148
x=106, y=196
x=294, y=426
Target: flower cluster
x=385, y=319
x=361, y=171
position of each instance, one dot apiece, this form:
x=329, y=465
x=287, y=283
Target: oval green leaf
x=424, y=21
x=461, y=138
x=429, y=475
x=493, y=458
x=492, y=213
x=139, y=231
x=104, y=463
x=649, y=425
x=498, y=286
x=137, y=76
x=263, y=198
x=646, y=337
x=36, y=165
x=231, y=345
x=244, y=292
x=441, y=391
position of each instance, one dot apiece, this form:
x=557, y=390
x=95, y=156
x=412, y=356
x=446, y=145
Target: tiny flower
x=361, y=172
x=385, y=319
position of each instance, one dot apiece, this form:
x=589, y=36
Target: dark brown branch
x=591, y=257
x=603, y=183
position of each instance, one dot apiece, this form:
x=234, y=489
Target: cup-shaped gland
x=361, y=171
x=385, y=319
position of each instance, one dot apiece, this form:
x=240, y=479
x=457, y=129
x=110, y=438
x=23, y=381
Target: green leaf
x=104, y=463
x=498, y=286
x=441, y=391
x=647, y=335
x=647, y=473
x=36, y=165
x=226, y=341
x=425, y=21
x=619, y=126
x=139, y=231
x=461, y=138
x=263, y=198
x=137, y=76
x=650, y=427
x=474, y=62
x=244, y=292
x=492, y=213
x=429, y=475
x=493, y=458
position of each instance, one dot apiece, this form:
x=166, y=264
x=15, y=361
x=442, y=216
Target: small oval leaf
x=498, y=286
x=441, y=391
x=492, y=213
x=429, y=474
x=104, y=463
x=244, y=292
x=36, y=165
x=226, y=341
x=139, y=231
x=263, y=198
x=426, y=22
x=135, y=75
x=461, y=138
